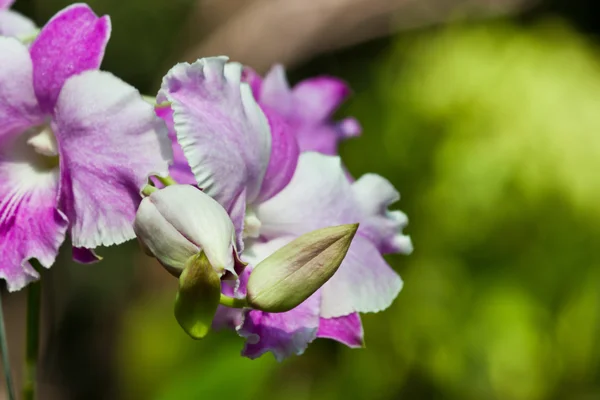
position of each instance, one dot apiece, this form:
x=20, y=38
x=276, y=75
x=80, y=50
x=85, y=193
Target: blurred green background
x=488, y=126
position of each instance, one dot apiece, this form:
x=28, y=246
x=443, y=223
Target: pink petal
x=5, y=4
x=252, y=78
x=14, y=24
x=318, y=98
x=374, y=194
x=73, y=41
x=19, y=110
x=224, y=134
x=320, y=195
x=307, y=108
x=85, y=256
x=347, y=330
x=180, y=169
x=275, y=92
x=363, y=283
x=283, y=334
x=284, y=157
x=110, y=141
x=30, y=224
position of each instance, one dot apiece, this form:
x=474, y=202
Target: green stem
x=34, y=292
x=5, y=359
x=152, y=100
x=232, y=302
x=166, y=180
x=148, y=190
x=29, y=38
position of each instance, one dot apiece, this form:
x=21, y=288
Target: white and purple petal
x=14, y=24
x=347, y=330
x=224, y=134
x=110, y=141
x=283, y=334
x=320, y=195
x=30, y=224
x=73, y=41
x=180, y=169
x=308, y=108
x=284, y=156
x=363, y=283
x=19, y=109
x=374, y=194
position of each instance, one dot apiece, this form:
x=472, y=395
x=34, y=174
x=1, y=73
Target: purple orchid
x=12, y=23
x=250, y=164
x=306, y=108
x=77, y=146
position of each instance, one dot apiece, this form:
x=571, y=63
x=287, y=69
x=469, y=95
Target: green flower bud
x=198, y=296
x=293, y=273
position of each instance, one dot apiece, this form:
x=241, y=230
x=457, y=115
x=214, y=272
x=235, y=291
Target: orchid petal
x=223, y=133
x=284, y=157
x=252, y=78
x=363, y=283
x=275, y=92
x=283, y=334
x=318, y=98
x=307, y=108
x=347, y=330
x=180, y=169
x=374, y=194
x=232, y=318
x=320, y=195
x=19, y=110
x=30, y=224
x=100, y=118
x=5, y=4
x=73, y=41
x=14, y=24
x=85, y=256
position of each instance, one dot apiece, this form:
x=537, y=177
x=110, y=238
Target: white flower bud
x=294, y=272
x=178, y=222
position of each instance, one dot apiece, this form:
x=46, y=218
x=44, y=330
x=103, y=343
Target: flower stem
x=166, y=180
x=34, y=292
x=152, y=100
x=148, y=190
x=232, y=302
x=5, y=359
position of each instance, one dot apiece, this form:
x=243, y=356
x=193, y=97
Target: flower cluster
x=231, y=180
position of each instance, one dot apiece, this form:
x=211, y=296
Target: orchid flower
x=306, y=108
x=226, y=139
x=320, y=195
x=14, y=24
x=249, y=163
x=77, y=146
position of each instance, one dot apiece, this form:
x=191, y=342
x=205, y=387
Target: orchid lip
x=43, y=141
x=252, y=224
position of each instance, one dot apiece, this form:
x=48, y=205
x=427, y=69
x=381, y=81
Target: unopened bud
x=293, y=273
x=178, y=222
x=198, y=296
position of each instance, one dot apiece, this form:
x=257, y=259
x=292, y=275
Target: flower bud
x=198, y=296
x=178, y=222
x=294, y=272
